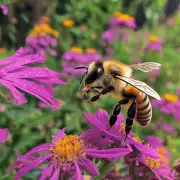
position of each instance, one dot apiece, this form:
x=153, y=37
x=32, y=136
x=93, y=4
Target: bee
x=112, y=77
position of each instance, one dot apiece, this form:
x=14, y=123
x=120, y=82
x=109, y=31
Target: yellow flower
x=153, y=38
x=68, y=23
x=90, y=50
x=77, y=50
x=171, y=97
x=55, y=33
x=3, y=50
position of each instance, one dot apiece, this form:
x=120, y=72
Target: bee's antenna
x=83, y=77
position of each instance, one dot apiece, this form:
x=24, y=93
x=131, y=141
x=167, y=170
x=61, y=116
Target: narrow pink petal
x=25, y=169
x=108, y=153
x=37, y=149
x=90, y=166
x=56, y=173
x=58, y=136
x=78, y=172
x=19, y=97
x=3, y=135
x=46, y=172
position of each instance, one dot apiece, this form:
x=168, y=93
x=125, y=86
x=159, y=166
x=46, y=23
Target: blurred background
x=70, y=33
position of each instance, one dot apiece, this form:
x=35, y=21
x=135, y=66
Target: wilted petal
x=3, y=135
x=90, y=166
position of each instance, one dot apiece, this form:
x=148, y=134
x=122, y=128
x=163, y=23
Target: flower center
x=67, y=149
x=159, y=162
x=68, y=23
x=153, y=38
x=122, y=16
x=77, y=50
x=90, y=50
x=171, y=97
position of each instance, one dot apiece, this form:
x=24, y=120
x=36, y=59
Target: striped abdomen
x=144, y=109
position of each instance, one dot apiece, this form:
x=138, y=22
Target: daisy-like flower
x=68, y=23
x=77, y=57
x=169, y=104
x=3, y=135
x=122, y=20
x=4, y=9
x=16, y=75
x=66, y=156
x=154, y=44
x=116, y=135
x=155, y=168
x=42, y=40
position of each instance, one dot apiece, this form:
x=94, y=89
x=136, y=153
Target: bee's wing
x=141, y=86
x=146, y=66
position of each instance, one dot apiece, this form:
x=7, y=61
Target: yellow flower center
x=123, y=16
x=90, y=50
x=67, y=149
x=77, y=50
x=43, y=29
x=68, y=23
x=171, y=97
x=153, y=38
x=137, y=139
x=3, y=50
x=158, y=162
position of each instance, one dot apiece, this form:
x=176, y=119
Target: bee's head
x=95, y=71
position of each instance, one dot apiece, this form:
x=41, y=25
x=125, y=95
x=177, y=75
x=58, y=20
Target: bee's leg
x=131, y=114
x=116, y=112
x=104, y=91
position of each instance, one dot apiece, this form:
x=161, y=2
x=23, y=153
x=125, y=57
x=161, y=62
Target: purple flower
x=75, y=57
x=3, y=135
x=16, y=75
x=4, y=9
x=169, y=128
x=100, y=121
x=43, y=45
x=122, y=20
x=66, y=156
x=154, y=44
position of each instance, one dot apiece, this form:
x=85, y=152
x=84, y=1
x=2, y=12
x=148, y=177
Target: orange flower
x=68, y=23
x=90, y=50
x=153, y=38
x=77, y=50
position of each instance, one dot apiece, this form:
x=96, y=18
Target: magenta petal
x=78, y=172
x=3, y=135
x=31, y=166
x=46, y=172
x=19, y=97
x=90, y=166
x=59, y=135
x=37, y=149
x=108, y=153
x=56, y=173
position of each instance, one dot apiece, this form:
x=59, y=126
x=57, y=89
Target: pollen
x=153, y=38
x=77, y=50
x=67, y=149
x=158, y=162
x=137, y=139
x=122, y=128
x=171, y=97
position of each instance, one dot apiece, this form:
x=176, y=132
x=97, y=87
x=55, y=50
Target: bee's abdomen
x=144, y=110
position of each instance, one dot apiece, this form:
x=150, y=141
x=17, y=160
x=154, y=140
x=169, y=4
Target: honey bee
x=111, y=77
